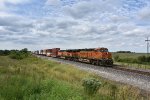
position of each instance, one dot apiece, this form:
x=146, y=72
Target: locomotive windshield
x=103, y=50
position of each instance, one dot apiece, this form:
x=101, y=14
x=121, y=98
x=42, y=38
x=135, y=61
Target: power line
x=147, y=45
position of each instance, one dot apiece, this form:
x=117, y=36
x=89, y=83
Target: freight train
x=95, y=56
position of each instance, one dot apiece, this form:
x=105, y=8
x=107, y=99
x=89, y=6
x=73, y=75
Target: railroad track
x=118, y=67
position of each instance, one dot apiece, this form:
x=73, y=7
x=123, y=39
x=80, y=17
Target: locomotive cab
x=104, y=56
x=103, y=53
x=101, y=49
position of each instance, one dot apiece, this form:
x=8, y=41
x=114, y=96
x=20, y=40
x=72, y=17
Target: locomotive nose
x=106, y=55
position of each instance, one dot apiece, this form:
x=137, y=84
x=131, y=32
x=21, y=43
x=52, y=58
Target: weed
x=91, y=85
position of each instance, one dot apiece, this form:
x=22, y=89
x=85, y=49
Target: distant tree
x=4, y=52
x=16, y=54
x=25, y=50
x=124, y=52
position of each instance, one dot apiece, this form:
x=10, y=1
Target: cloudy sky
x=40, y=24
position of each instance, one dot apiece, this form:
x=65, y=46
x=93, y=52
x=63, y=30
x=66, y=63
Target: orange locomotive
x=96, y=56
x=50, y=52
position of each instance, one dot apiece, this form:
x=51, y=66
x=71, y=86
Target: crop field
x=36, y=79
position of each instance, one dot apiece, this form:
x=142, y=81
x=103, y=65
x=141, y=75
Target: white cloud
x=66, y=33
x=14, y=1
x=3, y=3
x=134, y=31
x=84, y=8
x=126, y=26
x=53, y=2
x=144, y=13
x=118, y=18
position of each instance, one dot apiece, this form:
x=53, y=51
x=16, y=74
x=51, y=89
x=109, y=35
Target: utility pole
x=147, y=46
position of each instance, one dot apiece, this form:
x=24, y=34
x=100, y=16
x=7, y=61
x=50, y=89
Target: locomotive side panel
x=55, y=52
x=96, y=56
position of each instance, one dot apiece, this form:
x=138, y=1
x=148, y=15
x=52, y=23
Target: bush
x=148, y=59
x=116, y=58
x=15, y=54
x=91, y=86
x=139, y=60
x=142, y=58
x=4, y=52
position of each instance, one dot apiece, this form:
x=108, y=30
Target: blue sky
x=40, y=24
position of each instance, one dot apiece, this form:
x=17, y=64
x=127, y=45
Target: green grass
x=36, y=79
x=131, y=56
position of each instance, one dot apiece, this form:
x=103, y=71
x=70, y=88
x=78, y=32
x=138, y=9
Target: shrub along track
x=136, y=78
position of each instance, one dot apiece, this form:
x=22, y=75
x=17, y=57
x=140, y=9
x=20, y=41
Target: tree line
x=124, y=52
x=15, y=54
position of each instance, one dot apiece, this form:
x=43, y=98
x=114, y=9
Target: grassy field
x=131, y=56
x=37, y=79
